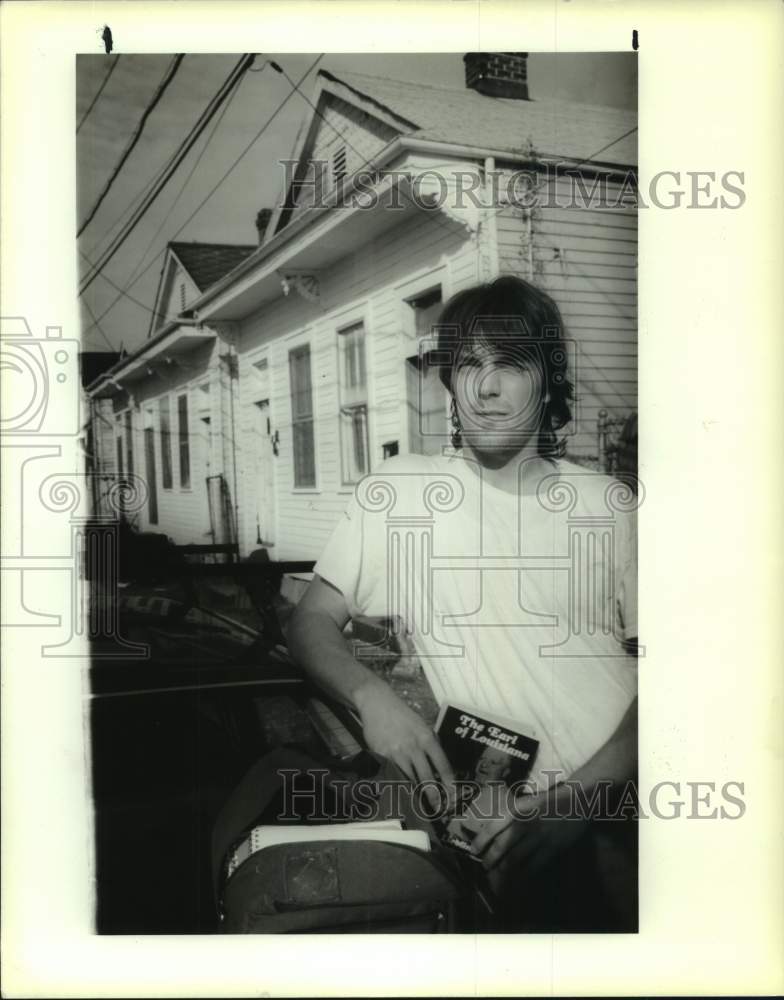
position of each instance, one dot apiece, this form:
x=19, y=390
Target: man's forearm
x=616, y=760
x=317, y=644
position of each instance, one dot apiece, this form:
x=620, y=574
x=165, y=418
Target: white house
x=398, y=196
x=164, y=413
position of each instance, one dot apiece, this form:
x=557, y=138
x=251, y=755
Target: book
x=488, y=755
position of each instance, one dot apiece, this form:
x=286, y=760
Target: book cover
x=487, y=755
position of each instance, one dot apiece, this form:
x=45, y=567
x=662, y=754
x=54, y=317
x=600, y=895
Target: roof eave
x=400, y=144
x=110, y=373
x=280, y=239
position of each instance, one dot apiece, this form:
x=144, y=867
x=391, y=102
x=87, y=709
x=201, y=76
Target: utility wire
x=264, y=127
x=145, y=188
x=168, y=77
x=149, y=185
x=123, y=217
x=122, y=292
x=94, y=101
x=579, y=163
x=442, y=222
x=179, y=156
x=185, y=183
x=97, y=324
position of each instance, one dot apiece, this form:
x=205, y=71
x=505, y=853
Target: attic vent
x=182, y=297
x=339, y=164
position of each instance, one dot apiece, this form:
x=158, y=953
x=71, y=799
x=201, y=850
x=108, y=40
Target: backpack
x=328, y=886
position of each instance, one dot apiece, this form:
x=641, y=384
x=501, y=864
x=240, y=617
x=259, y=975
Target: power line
x=129, y=208
x=185, y=183
x=100, y=91
x=168, y=77
x=443, y=223
x=579, y=163
x=267, y=123
x=100, y=328
x=184, y=148
x=148, y=186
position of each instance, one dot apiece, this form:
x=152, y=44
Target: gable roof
x=550, y=128
x=207, y=263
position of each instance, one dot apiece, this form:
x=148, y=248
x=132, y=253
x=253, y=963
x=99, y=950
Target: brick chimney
x=497, y=74
x=262, y=221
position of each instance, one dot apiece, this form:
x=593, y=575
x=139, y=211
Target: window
x=129, y=442
x=302, y=417
x=152, y=476
x=184, y=443
x=118, y=441
x=425, y=395
x=354, y=451
x=427, y=308
x=164, y=414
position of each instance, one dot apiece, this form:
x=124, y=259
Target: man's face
x=493, y=765
x=499, y=393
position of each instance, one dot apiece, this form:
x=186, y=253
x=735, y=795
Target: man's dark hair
x=513, y=317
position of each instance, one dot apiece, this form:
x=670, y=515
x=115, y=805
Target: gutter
x=170, y=327
x=398, y=145
x=279, y=240
x=504, y=155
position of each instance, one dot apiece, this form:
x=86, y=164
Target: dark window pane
x=152, y=483
x=426, y=308
x=129, y=442
x=302, y=417
x=166, y=446
x=426, y=398
x=304, y=458
x=184, y=443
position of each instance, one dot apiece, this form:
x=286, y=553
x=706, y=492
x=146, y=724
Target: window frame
x=184, y=440
x=127, y=424
x=167, y=455
x=148, y=436
x=422, y=288
x=303, y=347
x=358, y=405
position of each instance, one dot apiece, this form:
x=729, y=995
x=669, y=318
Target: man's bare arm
x=391, y=728
x=614, y=761
x=315, y=638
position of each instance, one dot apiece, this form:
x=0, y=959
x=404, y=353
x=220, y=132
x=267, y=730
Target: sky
x=228, y=216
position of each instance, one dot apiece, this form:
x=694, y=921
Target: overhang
x=174, y=341
x=313, y=241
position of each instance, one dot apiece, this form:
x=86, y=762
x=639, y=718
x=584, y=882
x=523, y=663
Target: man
x=513, y=570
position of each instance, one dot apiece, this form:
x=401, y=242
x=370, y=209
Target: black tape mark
x=107, y=39
x=635, y=40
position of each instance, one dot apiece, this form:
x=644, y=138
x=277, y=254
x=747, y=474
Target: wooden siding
x=183, y=514
x=371, y=286
x=586, y=257
x=171, y=303
x=340, y=124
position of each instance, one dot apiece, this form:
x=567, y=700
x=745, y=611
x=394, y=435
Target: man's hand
x=529, y=827
x=395, y=731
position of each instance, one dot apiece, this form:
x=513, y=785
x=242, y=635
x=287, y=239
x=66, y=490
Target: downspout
x=234, y=366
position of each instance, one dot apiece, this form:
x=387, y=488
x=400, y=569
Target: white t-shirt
x=517, y=603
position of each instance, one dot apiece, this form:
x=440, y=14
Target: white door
x=262, y=450
x=205, y=466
